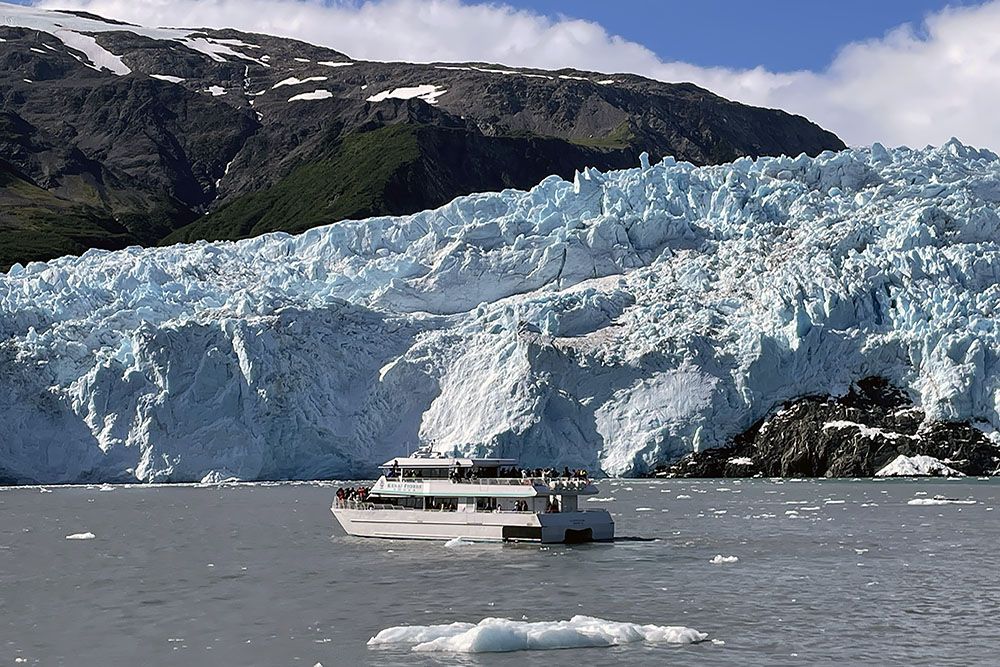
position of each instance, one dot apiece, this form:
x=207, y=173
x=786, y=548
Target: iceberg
x=611, y=322
x=917, y=466
x=499, y=635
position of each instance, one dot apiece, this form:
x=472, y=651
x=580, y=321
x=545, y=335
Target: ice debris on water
x=917, y=466
x=939, y=500
x=458, y=542
x=496, y=635
x=708, y=296
x=719, y=559
x=81, y=536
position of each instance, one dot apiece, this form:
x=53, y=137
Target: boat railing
x=368, y=505
x=550, y=482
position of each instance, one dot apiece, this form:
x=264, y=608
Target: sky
x=910, y=72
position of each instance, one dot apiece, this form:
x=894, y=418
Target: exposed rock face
x=139, y=133
x=851, y=436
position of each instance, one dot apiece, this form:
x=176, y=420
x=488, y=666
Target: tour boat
x=431, y=496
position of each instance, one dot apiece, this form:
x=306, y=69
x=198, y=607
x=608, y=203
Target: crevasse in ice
x=611, y=322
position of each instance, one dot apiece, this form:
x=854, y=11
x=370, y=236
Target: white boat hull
x=591, y=525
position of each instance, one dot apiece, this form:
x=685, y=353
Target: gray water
x=261, y=575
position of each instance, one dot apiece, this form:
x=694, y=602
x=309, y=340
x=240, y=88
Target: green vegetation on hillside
x=351, y=182
x=620, y=137
x=37, y=225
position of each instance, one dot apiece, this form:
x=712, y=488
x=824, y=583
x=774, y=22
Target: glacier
x=613, y=322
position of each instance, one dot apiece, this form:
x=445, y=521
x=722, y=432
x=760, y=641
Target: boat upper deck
x=434, y=474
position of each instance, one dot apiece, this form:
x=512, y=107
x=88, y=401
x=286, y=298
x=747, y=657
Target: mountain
x=615, y=322
x=152, y=135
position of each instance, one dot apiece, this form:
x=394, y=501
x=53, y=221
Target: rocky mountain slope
x=854, y=435
x=114, y=134
x=616, y=321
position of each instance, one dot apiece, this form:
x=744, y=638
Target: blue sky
x=781, y=35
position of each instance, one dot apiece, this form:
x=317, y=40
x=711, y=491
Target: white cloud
x=912, y=86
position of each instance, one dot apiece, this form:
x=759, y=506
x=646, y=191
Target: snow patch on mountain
x=428, y=93
x=77, y=32
x=611, y=322
x=314, y=95
x=295, y=81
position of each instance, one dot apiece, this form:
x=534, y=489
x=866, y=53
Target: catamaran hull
x=549, y=528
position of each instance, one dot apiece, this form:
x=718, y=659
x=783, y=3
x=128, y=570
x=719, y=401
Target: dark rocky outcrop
x=224, y=154
x=850, y=436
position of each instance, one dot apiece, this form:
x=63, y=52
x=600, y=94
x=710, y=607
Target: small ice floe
x=643, y=509
x=939, y=500
x=501, y=635
x=917, y=466
x=80, y=536
x=601, y=500
x=719, y=559
x=217, y=477
x=105, y=488
x=458, y=542
x=683, y=496
x=860, y=551
x=811, y=508
x=834, y=502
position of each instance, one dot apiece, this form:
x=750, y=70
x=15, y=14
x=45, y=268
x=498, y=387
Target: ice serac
x=613, y=322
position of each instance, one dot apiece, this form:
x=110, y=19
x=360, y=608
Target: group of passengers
x=359, y=494
x=462, y=474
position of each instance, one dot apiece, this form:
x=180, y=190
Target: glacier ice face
x=610, y=322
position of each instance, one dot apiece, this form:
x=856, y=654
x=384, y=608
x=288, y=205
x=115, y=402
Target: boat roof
x=439, y=460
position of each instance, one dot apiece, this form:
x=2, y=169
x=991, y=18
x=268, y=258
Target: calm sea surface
x=828, y=571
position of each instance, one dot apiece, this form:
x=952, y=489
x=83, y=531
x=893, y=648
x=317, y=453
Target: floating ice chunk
x=834, y=502
x=314, y=95
x=497, y=635
x=917, y=466
x=106, y=488
x=218, y=477
x=939, y=500
x=606, y=499
x=80, y=536
x=643, y=509
x=719, y=559
x=458, y=542
x=683, y=496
